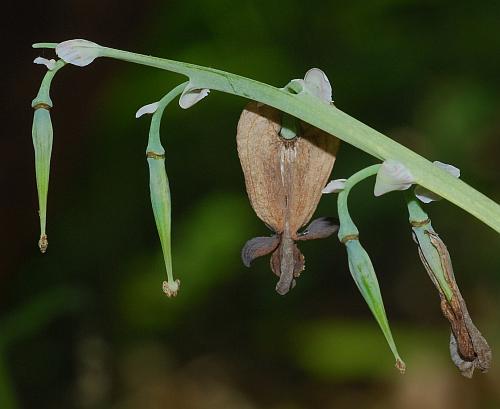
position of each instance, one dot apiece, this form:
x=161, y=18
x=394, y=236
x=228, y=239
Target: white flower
x=427, y=196
x=50, y=64
x=334, y=186
x=392, y=175
x=78, y=52
x=147, y=109
x=191, y=95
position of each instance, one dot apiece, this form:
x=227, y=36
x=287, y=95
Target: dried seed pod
x=284, y=180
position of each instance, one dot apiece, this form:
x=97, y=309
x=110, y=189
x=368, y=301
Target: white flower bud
x=334, y=186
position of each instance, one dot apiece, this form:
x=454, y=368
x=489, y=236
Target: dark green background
x=87, y=326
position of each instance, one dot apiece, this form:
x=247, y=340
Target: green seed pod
x=360, y=265
x=42, y=134
x=42, y=142
x=363, y=273
x=161, y=203
x=158, y=183
x=468, y=348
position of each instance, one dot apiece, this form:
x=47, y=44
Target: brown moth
x=284, y=179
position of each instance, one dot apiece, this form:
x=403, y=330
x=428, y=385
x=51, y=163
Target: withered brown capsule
x=284, y=179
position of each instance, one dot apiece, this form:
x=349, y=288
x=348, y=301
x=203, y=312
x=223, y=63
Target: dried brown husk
x=468, y=348
x=284, y=180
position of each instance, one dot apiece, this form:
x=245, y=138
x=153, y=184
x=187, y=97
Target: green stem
x=154, y=142
x=347, y=226
x=43, y=95
x=331, y=120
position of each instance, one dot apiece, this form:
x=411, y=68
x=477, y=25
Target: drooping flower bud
x=161, y=203
x=364, y=276
x=159, y=186
x=42, y=134
x=360, y=265
x=468, y=348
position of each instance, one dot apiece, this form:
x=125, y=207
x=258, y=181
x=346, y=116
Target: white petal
x=50, y=64
x=425, y=195
x=78, y=52
x=392, y=175
x=147, y=109
x=334, y=186
x=191, y=95
x=452, y=170
x=318, y=84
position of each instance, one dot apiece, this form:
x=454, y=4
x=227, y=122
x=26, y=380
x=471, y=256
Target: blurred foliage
x=423, y=72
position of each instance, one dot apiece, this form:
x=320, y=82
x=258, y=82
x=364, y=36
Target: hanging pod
x=284, y=179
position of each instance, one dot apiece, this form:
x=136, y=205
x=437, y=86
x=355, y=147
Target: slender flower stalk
x=42, y=134
x=308, y=108
x=360, y=264
x=159, y=186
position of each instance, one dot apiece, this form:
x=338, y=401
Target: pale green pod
x=43, y=134
x=158, y=184
x=42, y=142
x=364, y=276
x=360, y=265
x=161, y=203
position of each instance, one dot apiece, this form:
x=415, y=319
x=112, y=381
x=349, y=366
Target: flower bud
x=160, y=201
x=364, y=276
x=42, y=134
x=469, y=350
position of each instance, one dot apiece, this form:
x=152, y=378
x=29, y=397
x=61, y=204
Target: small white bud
x=392, y=175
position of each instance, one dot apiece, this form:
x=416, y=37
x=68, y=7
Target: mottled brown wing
x=315, y=155
x=259, y=145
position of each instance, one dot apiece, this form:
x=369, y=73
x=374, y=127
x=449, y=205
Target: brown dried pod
x=284, y=179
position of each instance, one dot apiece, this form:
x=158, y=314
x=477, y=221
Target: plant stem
x=347, y=226
x=331, y=120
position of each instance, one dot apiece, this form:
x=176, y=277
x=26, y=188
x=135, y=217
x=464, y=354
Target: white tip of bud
x=78, y=52
x=171, y=289
x=50, y=64
x=191, y=95
x=334, y=186
x=392, y=175
x=318, y=84
x=147, y=109
x=425, y=195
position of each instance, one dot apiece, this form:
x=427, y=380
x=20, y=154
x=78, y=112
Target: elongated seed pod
x=42, y=134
